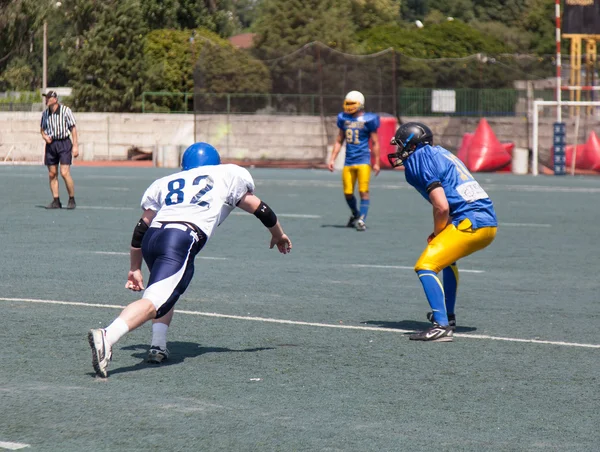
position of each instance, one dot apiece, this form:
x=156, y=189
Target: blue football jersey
x=466, y=198
x=357, y=131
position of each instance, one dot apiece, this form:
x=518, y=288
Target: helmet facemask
x=351, y=107
x=408, y=138
x=403, y=151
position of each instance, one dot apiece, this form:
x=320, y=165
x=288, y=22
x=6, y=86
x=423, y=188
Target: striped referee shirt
x=58, y=124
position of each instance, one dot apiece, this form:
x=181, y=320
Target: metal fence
x=410, y=102
x=21, y=106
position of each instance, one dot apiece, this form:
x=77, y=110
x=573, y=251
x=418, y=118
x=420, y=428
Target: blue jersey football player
x=358, y=128
x=464, y=220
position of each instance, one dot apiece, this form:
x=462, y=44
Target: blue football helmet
x=200, y=154
x=408, y=138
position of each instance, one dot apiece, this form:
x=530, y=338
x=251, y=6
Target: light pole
x=45, y=56
x=45, y=59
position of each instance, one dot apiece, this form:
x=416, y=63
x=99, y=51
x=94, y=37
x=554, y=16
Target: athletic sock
x=450, y=274
x=364, y=208
x=435, y=295
x=352, y=204
x=116, y=331
x=159, y=335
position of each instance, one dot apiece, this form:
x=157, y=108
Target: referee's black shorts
x=59, y=151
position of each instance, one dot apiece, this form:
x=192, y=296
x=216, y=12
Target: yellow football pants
x=453, y=243
x=353, y=172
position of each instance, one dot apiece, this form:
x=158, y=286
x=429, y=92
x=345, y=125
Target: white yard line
x=311, y=324
x=527, y=225
x=403, y=267
x=13, y=446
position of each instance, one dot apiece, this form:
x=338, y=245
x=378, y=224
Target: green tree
x=17, y=76
x=160, y=14
x=198, y=61
x=108, y=70
x=246, y=11
x=20, y=38
x=215, y=15
x=457, y=9
x=18, y=22
x=411, y=10
x=539, y=21
x=514, y=38
x=370, y=13
x=283, y=26
x=505, y=11
x=440, y=55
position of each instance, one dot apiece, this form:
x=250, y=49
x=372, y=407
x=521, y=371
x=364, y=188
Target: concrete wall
x=265, y=137
x=108, y=136
x=102, y=136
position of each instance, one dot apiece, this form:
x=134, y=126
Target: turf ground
x=306, y=352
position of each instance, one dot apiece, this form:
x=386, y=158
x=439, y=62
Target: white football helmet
x=354, y=102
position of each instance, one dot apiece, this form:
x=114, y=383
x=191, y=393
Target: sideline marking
x=402, y=267
x=115, y=253
x=322, y=325
x=13, y=446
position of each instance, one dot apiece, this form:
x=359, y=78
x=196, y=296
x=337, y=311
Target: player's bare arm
x=135, y=279
x=441, y=209
x=75, y=140
x=336, y=148
x=376, y=151
x=45, y=136
x=252, y=204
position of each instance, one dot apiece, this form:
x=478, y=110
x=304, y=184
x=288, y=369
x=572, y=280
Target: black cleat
x=71, y=205
x=352, y=222
x=436, y=333
x=157, y=355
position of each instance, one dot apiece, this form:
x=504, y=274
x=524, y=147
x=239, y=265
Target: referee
x=57, y=124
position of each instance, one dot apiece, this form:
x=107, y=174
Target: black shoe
x=157, y=355
x=71, y=204
x=352, y=221
x=451, y=320
x=436, y=333
x=55, y=204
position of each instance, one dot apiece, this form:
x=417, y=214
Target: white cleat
x=360, y=224
x=101, y=352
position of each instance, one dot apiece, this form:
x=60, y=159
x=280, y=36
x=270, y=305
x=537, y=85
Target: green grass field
x=306, y=352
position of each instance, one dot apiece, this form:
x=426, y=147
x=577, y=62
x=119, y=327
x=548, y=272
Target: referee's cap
x=51, y=94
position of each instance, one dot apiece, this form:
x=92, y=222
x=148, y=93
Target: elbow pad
x=138, y=233
x=266, y=215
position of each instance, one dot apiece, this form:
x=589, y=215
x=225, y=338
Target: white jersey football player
x=181, y=212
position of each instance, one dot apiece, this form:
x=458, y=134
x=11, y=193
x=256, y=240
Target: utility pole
x=45, y=59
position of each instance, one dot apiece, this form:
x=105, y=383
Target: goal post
x=552, y=111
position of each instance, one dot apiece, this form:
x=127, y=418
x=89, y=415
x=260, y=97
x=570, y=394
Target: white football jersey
x=202, y=196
